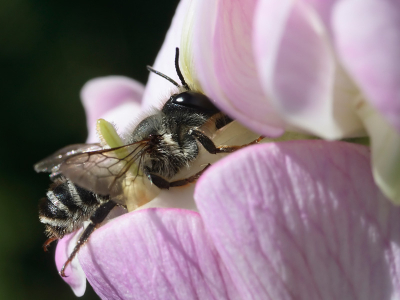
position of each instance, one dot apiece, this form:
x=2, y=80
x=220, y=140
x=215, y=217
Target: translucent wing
x=105, y=172
x=53, y=161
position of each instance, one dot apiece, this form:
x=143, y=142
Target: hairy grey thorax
x=174, y=148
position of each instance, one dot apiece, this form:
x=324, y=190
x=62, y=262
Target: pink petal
x=368, y=40
x=76, y=277
x=225, y=66
x=158, y=90
x=302, y=220
x=102, y=94
x=155, y=254
x=323, y=9
x=298, y=69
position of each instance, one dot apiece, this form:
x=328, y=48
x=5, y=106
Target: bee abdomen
x=66, y=207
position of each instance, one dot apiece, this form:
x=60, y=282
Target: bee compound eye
x=195, y=100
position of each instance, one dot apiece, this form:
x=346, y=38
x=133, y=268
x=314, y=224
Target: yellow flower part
x=138, y=190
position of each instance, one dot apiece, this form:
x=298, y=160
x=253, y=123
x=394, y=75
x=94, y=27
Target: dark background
x=48, y=50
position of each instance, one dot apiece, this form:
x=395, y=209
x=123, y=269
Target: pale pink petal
x=76, y=277
x=368, y=40
x=302, y=220
x=225, y=65
x=158, y=90
x=324, y=10
x=155, y=254
x=298, y=69
x=100, y=95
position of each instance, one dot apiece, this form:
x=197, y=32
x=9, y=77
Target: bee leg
x=96, y=218
x=162, y=183
x=190, y=179
x=48, y=242
x=209, y=145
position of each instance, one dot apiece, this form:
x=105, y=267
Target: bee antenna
x=178, y=70
x=163, y=76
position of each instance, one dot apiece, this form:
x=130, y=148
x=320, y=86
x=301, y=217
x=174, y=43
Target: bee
x=89, y=180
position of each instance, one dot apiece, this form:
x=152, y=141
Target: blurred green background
x=48, y=50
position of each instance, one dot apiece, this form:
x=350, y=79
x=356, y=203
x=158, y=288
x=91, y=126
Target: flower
x=329, y=68
x=284, y=220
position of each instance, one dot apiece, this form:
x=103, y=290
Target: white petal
x=385, y=147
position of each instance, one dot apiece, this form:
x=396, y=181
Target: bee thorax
x=170, y=154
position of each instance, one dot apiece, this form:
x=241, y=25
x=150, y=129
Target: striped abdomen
x=66, y=207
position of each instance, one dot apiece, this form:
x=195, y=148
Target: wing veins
x=86, y=168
